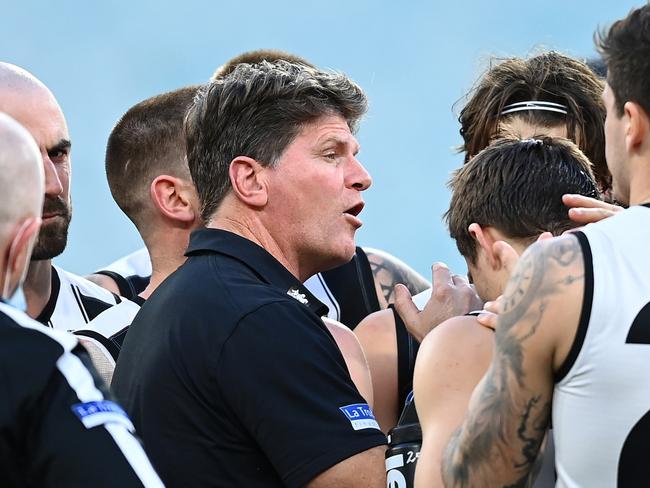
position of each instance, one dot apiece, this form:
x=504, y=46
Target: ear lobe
x=169, y=196
x=637, y=127
x=485, y=241
x=248, y=183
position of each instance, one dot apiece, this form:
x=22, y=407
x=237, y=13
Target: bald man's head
x=21, y=174
x=21, y=190
x=32, y=104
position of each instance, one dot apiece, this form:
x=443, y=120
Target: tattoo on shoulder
x=501, y=429
x=389, y=272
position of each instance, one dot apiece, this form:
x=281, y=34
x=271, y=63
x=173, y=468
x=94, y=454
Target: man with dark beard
x=54, y=297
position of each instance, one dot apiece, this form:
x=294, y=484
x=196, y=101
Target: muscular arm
x=388, y=271
x=365, y=469
x=354, y=358
x=499, y=439
x=452, y=360
x=376, y=333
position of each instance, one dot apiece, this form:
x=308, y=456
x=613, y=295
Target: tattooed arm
x=388, y=271
x=509, y=411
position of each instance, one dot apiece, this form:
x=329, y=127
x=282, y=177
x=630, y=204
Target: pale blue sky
x=415, y=59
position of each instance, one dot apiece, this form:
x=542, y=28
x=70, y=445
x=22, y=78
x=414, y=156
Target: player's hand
x=451, y=295
x=585, y=210
x=490, y=313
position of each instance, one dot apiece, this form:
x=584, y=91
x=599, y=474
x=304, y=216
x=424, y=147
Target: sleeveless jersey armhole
x=407, y=349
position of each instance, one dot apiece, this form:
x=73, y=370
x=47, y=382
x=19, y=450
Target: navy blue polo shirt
x=232, y=379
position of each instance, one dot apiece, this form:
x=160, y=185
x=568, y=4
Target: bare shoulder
x=456, y=348
x=462, y=331
x=343, y=336
x=376, y=326
x=104, y=281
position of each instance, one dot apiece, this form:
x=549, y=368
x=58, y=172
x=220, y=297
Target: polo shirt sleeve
x=284, y=377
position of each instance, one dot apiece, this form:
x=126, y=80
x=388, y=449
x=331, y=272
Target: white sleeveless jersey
x=139, y=264
x=318, y=287
x=74, y=301
x=601, y=402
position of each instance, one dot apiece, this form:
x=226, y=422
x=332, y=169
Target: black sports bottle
x=404, y=442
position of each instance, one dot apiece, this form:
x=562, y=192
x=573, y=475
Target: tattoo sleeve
x=499, y=440
x=388, y=271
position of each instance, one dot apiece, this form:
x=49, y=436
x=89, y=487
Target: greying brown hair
x=257, y=111
x=257, y=56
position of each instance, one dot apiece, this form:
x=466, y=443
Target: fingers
x=544, y=236
x=493, y=306
x=460, y=280
x=581, y=201
x=404, y=305
x=586, y=210
x=589, y=215
x=441, y=275
x=488, y=319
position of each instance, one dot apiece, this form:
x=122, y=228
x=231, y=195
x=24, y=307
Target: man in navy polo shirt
x=228, y=371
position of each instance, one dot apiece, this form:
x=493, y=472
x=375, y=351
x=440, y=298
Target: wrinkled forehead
x=36, y=109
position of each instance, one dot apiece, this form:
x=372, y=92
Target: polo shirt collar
x=256, y=258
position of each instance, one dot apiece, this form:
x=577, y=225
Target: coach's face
x=38, y=111
x=315, y=196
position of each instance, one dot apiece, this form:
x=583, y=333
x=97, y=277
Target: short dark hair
x=257, y=111
x=516, y=186
x=147, y=141
x=625, y=47
x=549, y=77
x=257, y=56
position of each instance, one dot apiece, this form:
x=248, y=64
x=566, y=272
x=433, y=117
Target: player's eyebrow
x=62, y=145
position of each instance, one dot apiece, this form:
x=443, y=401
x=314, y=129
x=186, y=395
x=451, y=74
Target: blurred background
x=415, y=60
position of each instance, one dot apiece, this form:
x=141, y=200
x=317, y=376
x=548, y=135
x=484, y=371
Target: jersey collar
x=258, y=259
x=46, y=314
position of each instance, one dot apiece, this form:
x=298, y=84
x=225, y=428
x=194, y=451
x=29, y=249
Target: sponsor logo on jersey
x=360, y=416
x=295, y=293
x=101, y=412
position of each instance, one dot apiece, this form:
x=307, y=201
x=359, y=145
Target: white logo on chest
x=295, y=293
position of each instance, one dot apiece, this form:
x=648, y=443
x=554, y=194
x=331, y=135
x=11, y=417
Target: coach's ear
x=248, y=184
x=174, y=198
x=638, y=125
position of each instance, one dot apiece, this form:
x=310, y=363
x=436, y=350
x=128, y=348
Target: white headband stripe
x=534, y=105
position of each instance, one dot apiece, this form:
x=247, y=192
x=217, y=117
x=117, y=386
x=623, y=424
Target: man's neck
x=161, y=267
x=253, y=231
x=38, y=286
x=640, y=179
x=167, y=253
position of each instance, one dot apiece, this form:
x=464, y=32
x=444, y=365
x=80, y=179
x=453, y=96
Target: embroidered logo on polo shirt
x=295, y=293
x=360, y=416
x=101, y=412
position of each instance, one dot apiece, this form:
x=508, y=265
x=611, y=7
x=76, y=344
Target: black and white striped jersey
x=58, y=425
x=74, y=301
